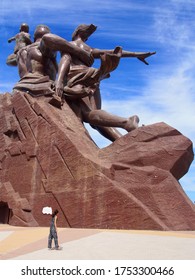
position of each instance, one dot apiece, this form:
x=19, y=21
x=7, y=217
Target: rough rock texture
x=47, y=158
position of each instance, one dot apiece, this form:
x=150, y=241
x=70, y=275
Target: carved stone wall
x=47, y=158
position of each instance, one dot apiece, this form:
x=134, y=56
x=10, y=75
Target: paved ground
x=81, y=244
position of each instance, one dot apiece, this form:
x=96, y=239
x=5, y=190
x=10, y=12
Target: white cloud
x=163, y=91
x=104, y=13
x=169, y=91
x=174, y=24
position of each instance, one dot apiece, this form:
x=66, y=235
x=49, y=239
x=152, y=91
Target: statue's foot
x=132, y=123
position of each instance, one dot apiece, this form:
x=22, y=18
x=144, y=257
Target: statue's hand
x=59, y=88
x=142, y=57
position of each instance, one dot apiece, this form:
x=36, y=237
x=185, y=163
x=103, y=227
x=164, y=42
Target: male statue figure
x=39, y=67
x=80, y=82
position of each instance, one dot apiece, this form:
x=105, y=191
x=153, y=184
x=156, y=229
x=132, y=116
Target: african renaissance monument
x=48, y=158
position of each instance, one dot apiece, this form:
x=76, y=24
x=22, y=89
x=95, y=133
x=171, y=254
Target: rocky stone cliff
x=47, y=158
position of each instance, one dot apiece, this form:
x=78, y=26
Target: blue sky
x=163, y=91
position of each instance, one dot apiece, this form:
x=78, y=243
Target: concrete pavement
x=96, y=244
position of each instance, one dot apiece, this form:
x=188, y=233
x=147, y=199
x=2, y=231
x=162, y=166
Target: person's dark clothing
x=53, y=234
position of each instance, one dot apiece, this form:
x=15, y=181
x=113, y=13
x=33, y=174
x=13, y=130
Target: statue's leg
x=102, y=118
x=11, y=60
x=111, y=133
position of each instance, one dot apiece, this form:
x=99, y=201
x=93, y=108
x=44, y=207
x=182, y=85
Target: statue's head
x=84, y=31
x=40, y=31
x=24, y=27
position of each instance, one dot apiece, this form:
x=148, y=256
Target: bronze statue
x=78, y=80
x=38, y=68
x=22, y=40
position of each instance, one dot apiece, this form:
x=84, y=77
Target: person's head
x=40, y=31
x=84, y=31
x=24, y=27
x=55, y=213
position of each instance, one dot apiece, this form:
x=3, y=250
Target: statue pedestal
x=48, y=159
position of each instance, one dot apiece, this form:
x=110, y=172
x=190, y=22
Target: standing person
x=53, y=232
